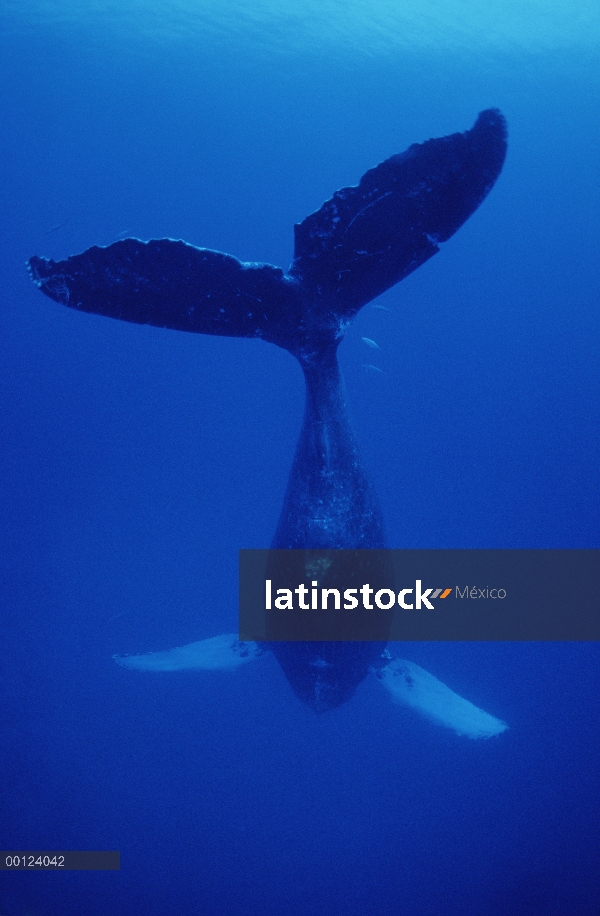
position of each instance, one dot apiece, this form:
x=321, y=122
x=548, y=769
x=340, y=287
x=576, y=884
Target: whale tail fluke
x=219, y=653
x=412, y=686
x=357, y=245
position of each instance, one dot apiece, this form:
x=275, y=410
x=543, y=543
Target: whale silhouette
x=357, y=245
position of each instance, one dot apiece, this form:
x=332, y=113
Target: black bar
x=64, y=860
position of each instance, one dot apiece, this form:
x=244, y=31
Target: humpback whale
x=357, y=245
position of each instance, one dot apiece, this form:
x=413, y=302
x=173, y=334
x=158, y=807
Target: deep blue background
x=135, y=462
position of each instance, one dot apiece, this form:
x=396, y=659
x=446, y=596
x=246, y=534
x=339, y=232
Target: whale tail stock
x=357, y=245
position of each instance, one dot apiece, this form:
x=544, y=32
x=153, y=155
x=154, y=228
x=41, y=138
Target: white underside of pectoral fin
x=219, y=653
x=413, y=686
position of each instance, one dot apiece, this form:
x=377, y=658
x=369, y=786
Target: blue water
x=136, y=461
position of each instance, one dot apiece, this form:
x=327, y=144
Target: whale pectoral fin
x=369, y=237
x=413, y=686
x=170, y=284
x=219, y=653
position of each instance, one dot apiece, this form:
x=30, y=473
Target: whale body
x=357, y=245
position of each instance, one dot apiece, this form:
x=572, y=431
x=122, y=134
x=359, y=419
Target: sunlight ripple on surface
x=369, y=26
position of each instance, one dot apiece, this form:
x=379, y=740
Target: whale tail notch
x=357, y=245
